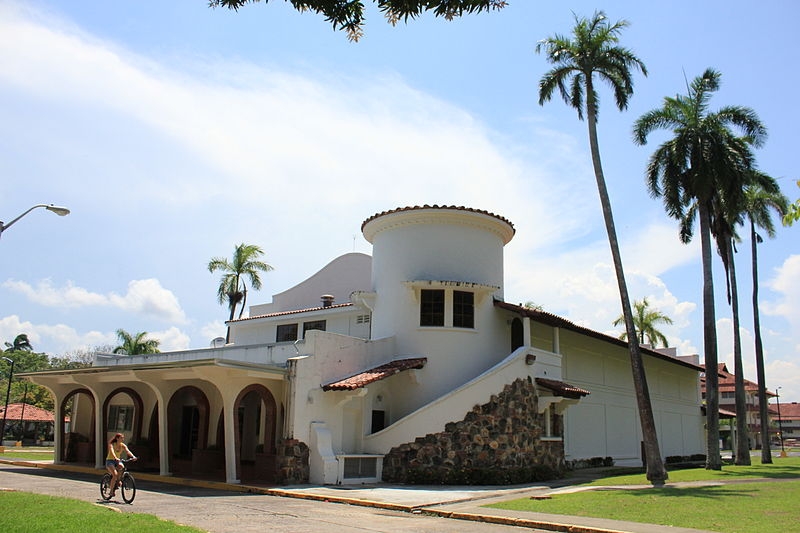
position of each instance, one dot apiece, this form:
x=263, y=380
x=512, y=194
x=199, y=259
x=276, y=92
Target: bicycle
x=126, y=484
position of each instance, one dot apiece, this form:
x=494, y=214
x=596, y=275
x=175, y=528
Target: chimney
x=327, y=300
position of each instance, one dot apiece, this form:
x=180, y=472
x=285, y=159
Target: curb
x=520, y=522
x=277, y=492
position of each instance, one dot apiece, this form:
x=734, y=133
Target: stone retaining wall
x=496, y=443
x=291, y=462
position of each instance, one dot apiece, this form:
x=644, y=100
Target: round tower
x=435, y=273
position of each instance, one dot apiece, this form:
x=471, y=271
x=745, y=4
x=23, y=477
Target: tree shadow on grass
x=705, y=492
x=769, y=471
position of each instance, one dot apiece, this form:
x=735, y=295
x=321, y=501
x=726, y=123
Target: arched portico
x=255, y=429
x=187, y=416
x=79, y=442
x=125, y=422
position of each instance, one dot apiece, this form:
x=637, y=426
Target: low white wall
x=270, y=354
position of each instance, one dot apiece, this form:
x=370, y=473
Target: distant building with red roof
x=28, y=421
x=727, y=402
x=789, y=420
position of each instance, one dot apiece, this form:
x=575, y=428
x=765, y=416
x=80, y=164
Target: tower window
x=431, y=307
x=463, y=309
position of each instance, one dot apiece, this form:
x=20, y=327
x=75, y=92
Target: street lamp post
x=60, y=211
x=8, y=393
x=780, y=424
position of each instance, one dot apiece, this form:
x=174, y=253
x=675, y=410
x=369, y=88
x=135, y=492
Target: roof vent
x=218, y=342
x=327, y=300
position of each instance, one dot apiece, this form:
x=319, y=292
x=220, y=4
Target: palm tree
x=704, y=162
x=232, y=287
x=645, y=320
x=724, y=234
x=593, y=54
x=21, y=343
x=135, y=344
x=760, y=201
x=792, y=214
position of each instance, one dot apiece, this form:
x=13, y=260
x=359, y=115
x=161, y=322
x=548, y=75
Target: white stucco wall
x=606, y=423
x=328, y=357
x=439, y=248
x=341, y=320
x=345, y=274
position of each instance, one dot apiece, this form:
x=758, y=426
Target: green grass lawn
x=24, y=512
x=28, y=453
x=743, y=506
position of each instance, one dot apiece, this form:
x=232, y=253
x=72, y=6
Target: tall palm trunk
x=763, y=413
x=656, y=473
x=713, y=459
x=232, y=306
x=742, y=431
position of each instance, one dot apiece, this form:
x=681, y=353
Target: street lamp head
x=60, y=211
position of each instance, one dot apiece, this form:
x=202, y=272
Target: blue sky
x=174, y=131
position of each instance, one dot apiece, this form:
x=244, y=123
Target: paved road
x=223, y=512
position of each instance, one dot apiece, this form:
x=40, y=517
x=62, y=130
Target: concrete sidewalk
x=462, y=502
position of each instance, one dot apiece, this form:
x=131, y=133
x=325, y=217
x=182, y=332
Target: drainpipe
x=288, y=398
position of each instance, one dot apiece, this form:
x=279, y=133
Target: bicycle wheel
x=105, y=487
x=128, y=488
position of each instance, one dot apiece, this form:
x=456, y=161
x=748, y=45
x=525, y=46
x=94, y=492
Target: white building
x=406, y=366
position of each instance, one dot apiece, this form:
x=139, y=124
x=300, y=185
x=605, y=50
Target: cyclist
x=114, y=459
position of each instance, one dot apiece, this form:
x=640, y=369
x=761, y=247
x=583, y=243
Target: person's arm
x=129, y=452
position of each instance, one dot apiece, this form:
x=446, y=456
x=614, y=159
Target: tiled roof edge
x=436, y=206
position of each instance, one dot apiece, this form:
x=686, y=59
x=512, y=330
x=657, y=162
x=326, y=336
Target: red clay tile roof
x=31, y=414
x=559, y=322
x=562, y=389
x=723, y=413
x=292, y=312
x=727, y=381
x=789, y=411
x=426, y=206
x=362, y=379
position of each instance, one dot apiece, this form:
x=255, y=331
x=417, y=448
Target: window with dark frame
x=315, y=324
x=463, y=309
x=286, y=333
x=431, y=311
x=378, y=420
x=555, y=423
x=120, y=417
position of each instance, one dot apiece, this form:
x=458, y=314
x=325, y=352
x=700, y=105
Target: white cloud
x=148, y=297
x=171, y=339
x=212, y=330
x=58, y=338
x=781, y=366
x=66, y=339
x=45, y=294
x=581, y=285
x=786, y=282
x=655, y=248
x=144, y=297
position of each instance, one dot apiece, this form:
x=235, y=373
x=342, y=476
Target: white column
x=163, y=436
x=526, y=330
x=58, y=440
x=100, y=443
x=230, y=441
